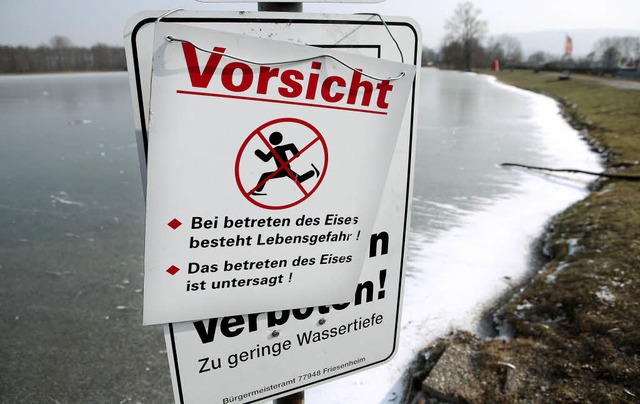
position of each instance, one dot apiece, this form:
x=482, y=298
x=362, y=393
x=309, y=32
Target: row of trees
x=61, y=55
x=609, y=55
x=466, y=46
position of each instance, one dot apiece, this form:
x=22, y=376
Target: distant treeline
x=61, y=56
x=467, y=47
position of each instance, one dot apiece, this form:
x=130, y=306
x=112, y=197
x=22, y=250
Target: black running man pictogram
x=283, y=169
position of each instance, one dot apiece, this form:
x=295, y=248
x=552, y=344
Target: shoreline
x=570, y=330
x=455, y=272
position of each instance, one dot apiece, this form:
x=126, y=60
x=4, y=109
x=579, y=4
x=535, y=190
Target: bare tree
x=429, y=56
x=610, y=57
x=466, y=28
x=494, y=50
x=452, y=54
x=60, y=42
x=537, y=59
x=612, y=50
x=505, y=48
x=512, y=49
x=629, y=46
x=61, y=53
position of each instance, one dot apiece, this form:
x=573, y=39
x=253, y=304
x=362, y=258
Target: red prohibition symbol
x=281, y=163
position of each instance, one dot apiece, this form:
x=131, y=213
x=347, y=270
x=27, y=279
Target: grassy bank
x=610, y=114
x=576, y=324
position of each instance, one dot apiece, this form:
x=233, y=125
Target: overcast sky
x=86, y=22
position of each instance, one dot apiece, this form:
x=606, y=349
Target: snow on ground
x=475, y=261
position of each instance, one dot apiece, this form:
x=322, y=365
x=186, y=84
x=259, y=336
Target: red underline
x=305, y=104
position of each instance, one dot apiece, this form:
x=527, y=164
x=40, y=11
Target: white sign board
x=254, y=357
x=276, y=171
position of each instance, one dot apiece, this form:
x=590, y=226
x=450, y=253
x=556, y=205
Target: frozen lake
x=72, y=218
x=473, y=222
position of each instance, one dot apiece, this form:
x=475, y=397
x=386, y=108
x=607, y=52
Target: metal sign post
x=285, y=7
x=295, y=398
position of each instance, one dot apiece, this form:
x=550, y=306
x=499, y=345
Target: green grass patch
x=582, y=308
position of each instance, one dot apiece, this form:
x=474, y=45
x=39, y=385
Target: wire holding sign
x=304, y=151
x=284, y=62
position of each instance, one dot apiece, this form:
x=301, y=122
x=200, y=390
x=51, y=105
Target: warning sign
x=293, y=150
x=275, y=167
x=255, y=357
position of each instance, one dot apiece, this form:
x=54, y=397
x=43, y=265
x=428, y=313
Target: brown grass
x=583, y=308
x=576, y=324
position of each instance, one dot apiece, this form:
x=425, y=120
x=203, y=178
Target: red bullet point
x=174, y=224
x=173, y=270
